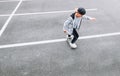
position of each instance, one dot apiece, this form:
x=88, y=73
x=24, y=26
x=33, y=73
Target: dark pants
x=75, y=34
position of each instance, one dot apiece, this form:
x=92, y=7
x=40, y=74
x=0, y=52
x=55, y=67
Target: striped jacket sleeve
x=86, y=17
x=67, y=23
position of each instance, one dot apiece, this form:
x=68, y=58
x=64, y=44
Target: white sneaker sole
x=69, y=41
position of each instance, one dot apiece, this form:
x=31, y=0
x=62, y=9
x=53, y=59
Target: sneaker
x=71, y=37
x=73, y=45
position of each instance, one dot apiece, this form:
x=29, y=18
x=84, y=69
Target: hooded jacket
x=74, y=22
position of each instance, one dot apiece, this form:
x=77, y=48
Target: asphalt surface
x=93, y=57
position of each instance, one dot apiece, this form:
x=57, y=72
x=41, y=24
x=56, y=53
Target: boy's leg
x=75, y=34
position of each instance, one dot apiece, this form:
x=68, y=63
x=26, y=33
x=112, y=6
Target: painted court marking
x=9, y=18
x=52, y=12
x=57, y=40
x=13, y=0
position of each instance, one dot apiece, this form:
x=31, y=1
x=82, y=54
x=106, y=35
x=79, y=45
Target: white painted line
x=5, y=15
x=9, y=18
x=57, y=40
x=52, y=12
x=12, y=1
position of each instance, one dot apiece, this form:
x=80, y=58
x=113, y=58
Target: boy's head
x=80, y=12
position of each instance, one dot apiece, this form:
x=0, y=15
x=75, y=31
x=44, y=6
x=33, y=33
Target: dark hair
x=81, y=11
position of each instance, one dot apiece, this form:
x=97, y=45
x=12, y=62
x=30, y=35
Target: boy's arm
x=88, y=18
x=66, y=24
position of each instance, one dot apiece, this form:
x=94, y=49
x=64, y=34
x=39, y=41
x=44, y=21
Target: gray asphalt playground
x=95, y=56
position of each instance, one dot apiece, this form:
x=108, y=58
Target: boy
x=73, y=23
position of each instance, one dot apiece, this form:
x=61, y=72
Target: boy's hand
x=76, y=9
x=93, y=19
x=65, y=31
